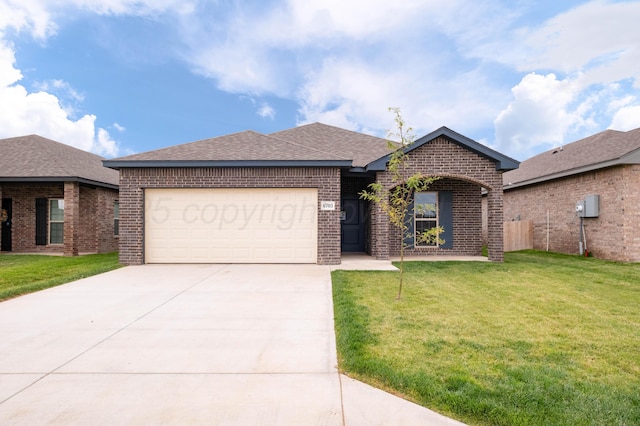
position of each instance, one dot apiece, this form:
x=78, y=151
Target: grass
x=22, y=274
x=538, y=340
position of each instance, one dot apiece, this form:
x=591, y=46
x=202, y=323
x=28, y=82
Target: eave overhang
x=631, y=158
x=57, y=179
x=120, y=164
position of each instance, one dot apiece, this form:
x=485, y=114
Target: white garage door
x=240, y=225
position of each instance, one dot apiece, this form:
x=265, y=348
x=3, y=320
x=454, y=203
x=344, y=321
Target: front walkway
x=364, y=262
x=186, y=344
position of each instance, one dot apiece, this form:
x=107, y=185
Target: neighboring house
x=56, y=199
x=602, y=170
x=292, y=196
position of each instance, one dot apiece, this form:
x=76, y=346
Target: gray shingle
x=36, y=157
x=248, y=145
x=360, y=148
x=601, y=148
x=305, y=143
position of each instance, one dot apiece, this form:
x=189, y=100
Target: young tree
x=395, y=201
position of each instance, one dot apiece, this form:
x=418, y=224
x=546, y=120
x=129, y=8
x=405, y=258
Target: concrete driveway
x=185, y=344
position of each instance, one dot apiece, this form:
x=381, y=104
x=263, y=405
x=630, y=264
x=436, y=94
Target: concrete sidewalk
x=185, y=344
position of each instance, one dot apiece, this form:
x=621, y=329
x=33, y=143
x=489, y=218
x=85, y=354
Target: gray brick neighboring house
x=56, y=199
x=292, y=196
x=551, y=184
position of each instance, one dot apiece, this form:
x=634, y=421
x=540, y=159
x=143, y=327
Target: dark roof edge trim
x=503, y=162
x=46, y=179
x=358, y=170
x=115, y=164
x=589, y=168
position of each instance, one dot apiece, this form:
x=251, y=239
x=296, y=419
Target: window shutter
x=409, y=238
x=445, y=200
x=41, y=221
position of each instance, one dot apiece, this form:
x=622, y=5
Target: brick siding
x=133, y=181
x=614, y=235
x=95, y=223
x=467, y=222
x=465, y=174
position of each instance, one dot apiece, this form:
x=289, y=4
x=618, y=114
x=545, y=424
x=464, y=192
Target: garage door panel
x=245, y=225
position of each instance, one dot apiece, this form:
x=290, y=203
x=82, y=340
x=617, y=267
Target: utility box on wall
x=592, y=206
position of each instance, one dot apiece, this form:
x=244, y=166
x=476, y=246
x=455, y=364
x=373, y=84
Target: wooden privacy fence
x=518, y=235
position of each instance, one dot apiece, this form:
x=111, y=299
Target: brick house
x=56, y=199
x=601, y=173
x=292, y=197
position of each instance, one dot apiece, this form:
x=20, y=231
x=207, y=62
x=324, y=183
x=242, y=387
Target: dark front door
x=6, y=224
x=353, y=224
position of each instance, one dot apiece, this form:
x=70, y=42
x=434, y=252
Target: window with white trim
x=425, y=214
x=56, y=221
x=116, y=218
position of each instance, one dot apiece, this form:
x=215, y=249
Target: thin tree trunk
x=399, y=296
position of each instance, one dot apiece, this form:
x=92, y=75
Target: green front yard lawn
x=542, y=339
x=21, y=274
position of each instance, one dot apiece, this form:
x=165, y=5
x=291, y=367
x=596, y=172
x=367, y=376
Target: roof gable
x=34, y=158
x=503, y=162
x=604, y=149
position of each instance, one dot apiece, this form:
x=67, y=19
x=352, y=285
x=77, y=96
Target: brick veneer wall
x=106, y=241
x=23, y=227
x=467, y=222
x=614, y=235
x=465, y=174
x=133, y=181
x=631, y=223
x=95, y=217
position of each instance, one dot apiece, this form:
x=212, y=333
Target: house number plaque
x=327, y=205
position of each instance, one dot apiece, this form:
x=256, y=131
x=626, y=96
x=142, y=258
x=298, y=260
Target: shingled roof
x=605, y=149
x=312, y=144
x=309, y=145
x=243, y=146
x=36, y=159
x=361, y=148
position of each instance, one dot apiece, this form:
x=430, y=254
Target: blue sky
x=121, y=76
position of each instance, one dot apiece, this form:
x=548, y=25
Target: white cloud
x=314, y=20
x=26, y=15
x=104, y=145
x=23, y=113
x=8, y=73
x=135, y=7
x=622, y=102
x=266, y=111
x=355, y=94
x=626, y=118
x=50, y=111
x=345, y=62
x=119, y=128
x=60, y=86
x=600, y=38
x=69, y=98
x=540, y=115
